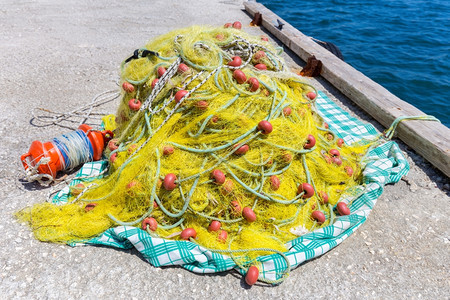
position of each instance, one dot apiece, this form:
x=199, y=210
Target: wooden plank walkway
x=429, y=139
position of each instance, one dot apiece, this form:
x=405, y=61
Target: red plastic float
x=161, y=71
x=348, y=170
x=132, y=148
x=342, y=209
x=334, y=152
x=336, y=160
x=310, y=142
x=242, y=149
x=218, y=176
x=202, y=104
x=188, y=233
x=311, y=95
x=227, y=187
x=287, y=111
x=151, y=223
x=90, y=206
x=265, y=127
x=154, y=82
x=237, y=25
x=307, y=188
x=252, y=275
x=214, y=226
x=249, y=214
x=324, y=197
x=215, y=119
x=132, y=184
x=77, y=189
x=235, y=208
x=167, y=150
x=112, y=144
x=134, y=104
x=169, y=182
x=259, y=54
x=127, y=87
x=274, y=182
x=223, y=235
x=318, y=216
x=179, y=95
x=113, y=158
x=261, y=67
x=182, y=68
x=287, y=157
x=254, y=84
x=236, y=62
x=239, y=76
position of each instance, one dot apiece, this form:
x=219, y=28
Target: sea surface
x=404, y=45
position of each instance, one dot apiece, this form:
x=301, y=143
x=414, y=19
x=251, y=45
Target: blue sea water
x=403, y=45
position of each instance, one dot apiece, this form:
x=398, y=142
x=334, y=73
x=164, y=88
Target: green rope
x=389, y=133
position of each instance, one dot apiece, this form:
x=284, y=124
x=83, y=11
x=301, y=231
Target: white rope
x=84, y=112
x=32, y=172
x=172, y=70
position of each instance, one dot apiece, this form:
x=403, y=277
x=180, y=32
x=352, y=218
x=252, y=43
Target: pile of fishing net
x=215, y=142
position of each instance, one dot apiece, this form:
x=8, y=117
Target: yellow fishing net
x=204, y=137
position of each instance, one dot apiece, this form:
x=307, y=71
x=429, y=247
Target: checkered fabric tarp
x=384, y=164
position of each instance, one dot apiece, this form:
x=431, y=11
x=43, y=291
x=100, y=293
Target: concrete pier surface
x=59, y=54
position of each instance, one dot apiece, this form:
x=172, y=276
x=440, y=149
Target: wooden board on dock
x=429, y=139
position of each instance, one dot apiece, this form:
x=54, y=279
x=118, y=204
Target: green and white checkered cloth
x=385, y=164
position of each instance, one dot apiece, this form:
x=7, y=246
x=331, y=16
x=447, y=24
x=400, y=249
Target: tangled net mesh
x=193, y=136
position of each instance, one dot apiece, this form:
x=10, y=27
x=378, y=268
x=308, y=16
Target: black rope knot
x=139, y=53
